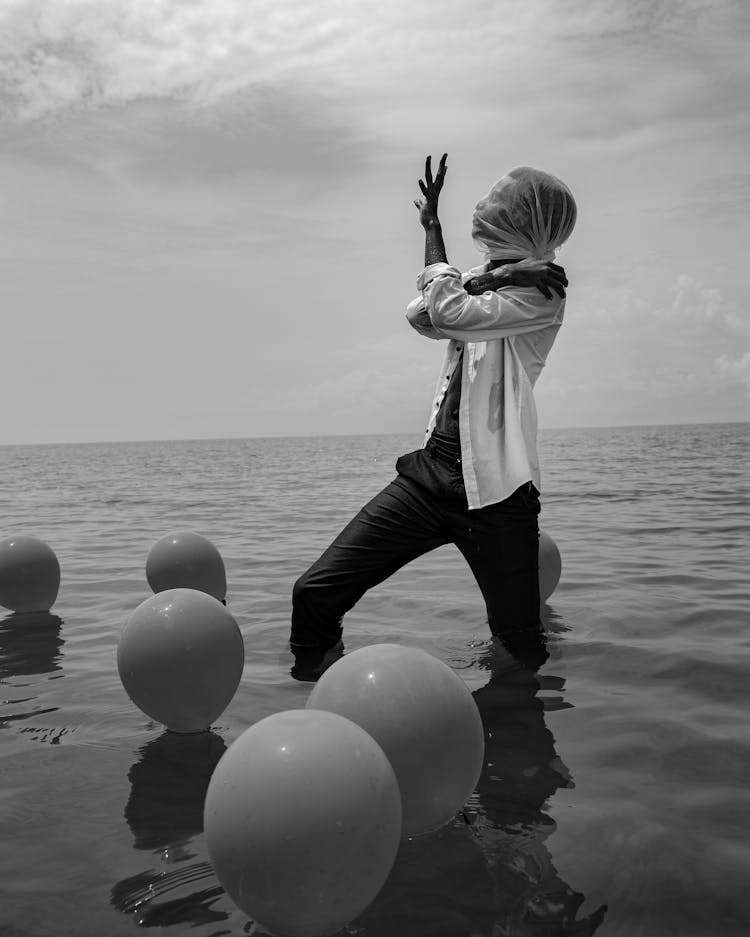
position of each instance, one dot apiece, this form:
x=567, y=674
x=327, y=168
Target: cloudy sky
x=207, y=218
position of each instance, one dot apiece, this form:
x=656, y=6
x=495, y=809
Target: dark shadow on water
x=164, y=812
x=30, y=644
x=522, y=770
x=168, y=786
x=489, y=872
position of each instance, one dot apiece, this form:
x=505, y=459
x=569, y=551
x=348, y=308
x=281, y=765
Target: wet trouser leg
x=423, y=508
x=399, y=524
x=501, y=545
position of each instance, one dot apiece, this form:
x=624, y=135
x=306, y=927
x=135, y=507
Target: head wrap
x=527, y=214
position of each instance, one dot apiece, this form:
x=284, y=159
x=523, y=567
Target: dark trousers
x=423, y=508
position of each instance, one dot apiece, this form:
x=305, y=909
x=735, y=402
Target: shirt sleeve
x=419, y=319
x=456, y=314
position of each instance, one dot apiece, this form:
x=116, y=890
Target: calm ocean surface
x=618, y=774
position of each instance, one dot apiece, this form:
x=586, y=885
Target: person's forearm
x=457, y=313
x=434, y=247
x=493, y=280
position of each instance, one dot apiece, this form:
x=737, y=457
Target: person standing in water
x=475, y=482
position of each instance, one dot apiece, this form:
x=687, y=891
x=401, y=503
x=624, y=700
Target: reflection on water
x=490, y=872
x=165, y=812
x=30, y=644
x=139, y=894
x=656, y=582
x=521, y=772
x=168, y=787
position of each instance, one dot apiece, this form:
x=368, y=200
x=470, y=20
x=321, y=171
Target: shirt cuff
x=435, y=270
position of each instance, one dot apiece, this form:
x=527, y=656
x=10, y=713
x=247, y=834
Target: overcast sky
x=207, y=218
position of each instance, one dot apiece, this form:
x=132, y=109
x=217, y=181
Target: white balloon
x=29, y=574
x=302, y=822
x=186, y=560
x=180, y=658
x=550, y=565
x=424, y=718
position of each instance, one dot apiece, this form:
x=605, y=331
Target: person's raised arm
x=434, y=246
x=473, y=311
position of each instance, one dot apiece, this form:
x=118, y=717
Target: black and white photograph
x=374, y=489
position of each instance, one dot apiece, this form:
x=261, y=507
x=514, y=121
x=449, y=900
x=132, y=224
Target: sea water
x=614, y=797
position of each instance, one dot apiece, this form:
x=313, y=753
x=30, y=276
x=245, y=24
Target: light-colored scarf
x=526, y=214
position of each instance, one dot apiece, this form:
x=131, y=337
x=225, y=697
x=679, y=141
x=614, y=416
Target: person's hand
x=543, y=275
x=428, y=206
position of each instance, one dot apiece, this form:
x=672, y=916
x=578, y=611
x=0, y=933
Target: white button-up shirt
x=506, y=337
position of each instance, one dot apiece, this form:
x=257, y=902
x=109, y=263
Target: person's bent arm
x=454, y=313
x=544, y=277
x=419, y=319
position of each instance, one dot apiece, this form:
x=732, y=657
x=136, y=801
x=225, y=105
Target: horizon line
x=542, y=429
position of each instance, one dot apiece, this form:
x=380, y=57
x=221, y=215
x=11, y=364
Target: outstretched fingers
x=431, y=186
x=442, y=167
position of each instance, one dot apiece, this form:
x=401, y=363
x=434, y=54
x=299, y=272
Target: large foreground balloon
x=29, y=574
x=180, y=659
x=186, y=560
x=550, y=565
x=424, y=718
x=302, y=822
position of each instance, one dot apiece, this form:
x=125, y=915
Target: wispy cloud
x=280, y=129
x=203, y=155
x=87, y=54
x=692, y=341
x=734, y=370
x=238, y=80
x=92, y=53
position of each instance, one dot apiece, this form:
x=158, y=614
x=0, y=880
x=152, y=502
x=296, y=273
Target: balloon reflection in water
x=164, y=813
x=30, y=643
x=168, y=789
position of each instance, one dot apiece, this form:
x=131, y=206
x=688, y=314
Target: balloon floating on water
x=29, y=574
x=303, y=821
x=185, y=560
x=180, y=659
x=422, y=715
x=550, y=565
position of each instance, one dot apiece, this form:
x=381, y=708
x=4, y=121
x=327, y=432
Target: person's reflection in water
x=521, y=772
x=30, y=644
x=164, y=812
x=493, y=877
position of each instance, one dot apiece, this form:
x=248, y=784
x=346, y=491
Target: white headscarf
x=527, y=214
